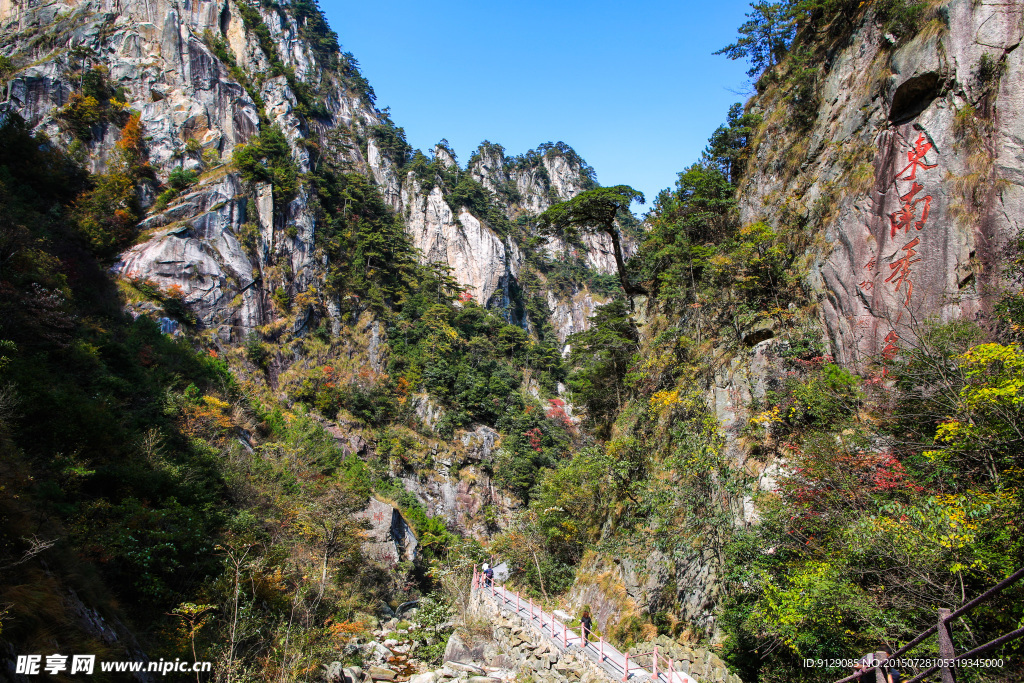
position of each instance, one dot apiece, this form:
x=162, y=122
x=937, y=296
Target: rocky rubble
x=391, y=656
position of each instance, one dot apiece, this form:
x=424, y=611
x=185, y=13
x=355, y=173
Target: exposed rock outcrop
x=458, y=488
x=189, y=70
x=909, y=176
x=389, y=538
x=618, y=589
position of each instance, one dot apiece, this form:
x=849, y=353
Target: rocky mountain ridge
x=205, y=78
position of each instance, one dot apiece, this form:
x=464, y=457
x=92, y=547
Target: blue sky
x=633, y=88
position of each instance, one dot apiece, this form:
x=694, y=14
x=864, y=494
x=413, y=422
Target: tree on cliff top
x=592, y=212
x=764, y=37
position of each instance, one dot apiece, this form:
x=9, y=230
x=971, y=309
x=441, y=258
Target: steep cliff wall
x=902, y=188
x=208, y=76
x=203, y=83
x=884, y=172
x=908, y=175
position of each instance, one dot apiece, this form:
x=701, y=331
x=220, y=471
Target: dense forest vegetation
x=190, y=491
x=900, y=484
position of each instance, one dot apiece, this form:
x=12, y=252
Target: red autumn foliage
x=826, y=484
x=556, y=412
x=534, y=436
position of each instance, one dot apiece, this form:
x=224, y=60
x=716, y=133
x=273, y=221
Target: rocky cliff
x=890, y=172
x=902, y=187
x=908, y=174
x=205, y=78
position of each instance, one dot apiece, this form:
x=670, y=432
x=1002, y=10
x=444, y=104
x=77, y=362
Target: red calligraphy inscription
x=901, y=268
x=902, y=219
x=916, y=158
x=866, y=284
x=891, y=348
x=870, y=265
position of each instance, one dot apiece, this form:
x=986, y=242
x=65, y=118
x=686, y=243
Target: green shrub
x=267, y=158
x=6, y=68
x=180, y=179
x=164, y=199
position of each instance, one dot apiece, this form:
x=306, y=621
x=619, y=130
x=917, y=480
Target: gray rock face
x=615, y=589
x=159, y=53
x=913, y=170
x=460, y=490
x=389, y=539
x=201, y=255
x=477, y=256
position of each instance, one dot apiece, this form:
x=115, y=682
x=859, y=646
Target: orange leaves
x=130, y=144
x=343, y=631
x=209, y=419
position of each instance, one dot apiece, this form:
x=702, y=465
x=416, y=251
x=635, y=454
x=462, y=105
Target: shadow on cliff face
x=913, y=96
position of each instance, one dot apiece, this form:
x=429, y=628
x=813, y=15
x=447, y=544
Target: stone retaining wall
x=535, y=653
x=546, y=659
x=701, y=663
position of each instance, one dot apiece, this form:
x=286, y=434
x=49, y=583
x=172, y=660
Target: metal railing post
x=565, y=637
x=600, y=641
x=517, y=604
x=531, y=608
x=946, y=651
x=655, y=661
x=625, y=671
x=670, y=670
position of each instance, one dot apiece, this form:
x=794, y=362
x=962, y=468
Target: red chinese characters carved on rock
x=916, y=158
x=890, y=345
x=901, y=268
x=906, y=216
x=911, y=205
x=902, y=219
